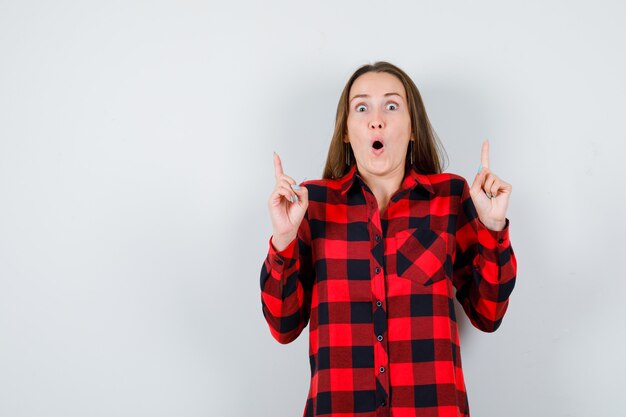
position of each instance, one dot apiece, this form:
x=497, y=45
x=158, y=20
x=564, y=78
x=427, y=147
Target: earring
x=411, y=151
x=347, y=153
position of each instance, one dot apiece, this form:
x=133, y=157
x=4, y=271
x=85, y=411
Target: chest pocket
x=423, y=255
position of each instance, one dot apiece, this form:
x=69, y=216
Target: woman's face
x=379, y=125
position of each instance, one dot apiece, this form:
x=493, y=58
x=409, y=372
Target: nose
x=377, y=121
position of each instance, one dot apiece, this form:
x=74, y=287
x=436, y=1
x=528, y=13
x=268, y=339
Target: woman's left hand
x=490, y=194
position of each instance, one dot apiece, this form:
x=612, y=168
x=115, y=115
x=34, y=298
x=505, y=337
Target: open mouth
x=377, y=144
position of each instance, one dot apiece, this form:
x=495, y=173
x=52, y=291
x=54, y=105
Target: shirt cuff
x=277, y=258
x=492, y=239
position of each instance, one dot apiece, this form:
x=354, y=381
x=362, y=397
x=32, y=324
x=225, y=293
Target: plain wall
x=136, y=144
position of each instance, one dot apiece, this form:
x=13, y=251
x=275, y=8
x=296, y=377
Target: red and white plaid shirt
x=378, y=291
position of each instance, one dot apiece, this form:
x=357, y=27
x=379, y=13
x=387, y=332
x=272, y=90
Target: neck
x=384, y=186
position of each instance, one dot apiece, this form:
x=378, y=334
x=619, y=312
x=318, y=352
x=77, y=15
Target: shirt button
x=382, y=403
x=382, y=369
x=377, y=238
x=500, y=240
x=377, y=270
x=379, y=303
x=279, y=262
x=380, y=337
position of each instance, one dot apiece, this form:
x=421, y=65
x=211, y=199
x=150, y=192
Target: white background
x=136, y=144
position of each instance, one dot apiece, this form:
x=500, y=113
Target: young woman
x=374, y=254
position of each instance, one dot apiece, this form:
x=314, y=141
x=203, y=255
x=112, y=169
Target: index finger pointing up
x=484, y=156
x=278, y=166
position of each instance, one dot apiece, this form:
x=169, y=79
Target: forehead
x=377, y=84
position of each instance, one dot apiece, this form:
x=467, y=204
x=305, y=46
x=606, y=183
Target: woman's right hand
x=286, y=215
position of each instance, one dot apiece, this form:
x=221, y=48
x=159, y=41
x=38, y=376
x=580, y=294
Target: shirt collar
x=411, y=179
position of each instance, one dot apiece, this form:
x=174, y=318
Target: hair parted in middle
x=427, y=149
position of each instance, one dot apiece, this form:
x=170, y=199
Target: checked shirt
x=377, y=291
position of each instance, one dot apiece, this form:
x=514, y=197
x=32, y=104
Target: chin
x=378, y=168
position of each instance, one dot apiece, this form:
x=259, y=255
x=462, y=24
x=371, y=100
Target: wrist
x=280, y=242
x=497, y=226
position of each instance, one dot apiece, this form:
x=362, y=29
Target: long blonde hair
x=427, y=147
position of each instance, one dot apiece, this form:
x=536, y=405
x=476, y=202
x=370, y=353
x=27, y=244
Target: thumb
x=302, y=192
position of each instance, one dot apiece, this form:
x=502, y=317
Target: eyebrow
x=366, y=95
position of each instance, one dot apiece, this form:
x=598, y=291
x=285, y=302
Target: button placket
x=376, y=230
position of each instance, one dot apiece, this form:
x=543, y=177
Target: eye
x=395, y=106
x=359, y=106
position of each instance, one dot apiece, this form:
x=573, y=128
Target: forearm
x=487, y=278
x=285, y=300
